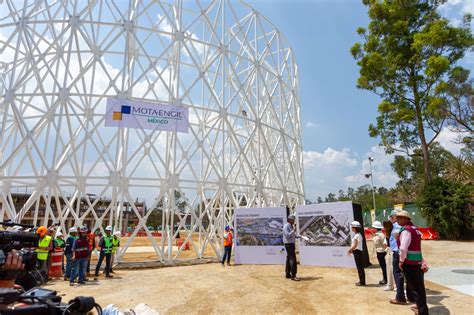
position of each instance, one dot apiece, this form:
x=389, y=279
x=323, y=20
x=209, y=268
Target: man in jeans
x=105, y=245
x=397, y=273
x=80, y=251
x=68, y=252
x=289, y=235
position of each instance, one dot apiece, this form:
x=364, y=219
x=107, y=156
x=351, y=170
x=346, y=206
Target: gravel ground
x=252, y=289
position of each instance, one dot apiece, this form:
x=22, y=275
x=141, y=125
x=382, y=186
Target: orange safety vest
x=91, y=239
x=228, y=239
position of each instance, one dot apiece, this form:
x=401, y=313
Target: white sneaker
x=387, y=289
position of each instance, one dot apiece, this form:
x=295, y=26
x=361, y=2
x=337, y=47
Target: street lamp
x=371, y=159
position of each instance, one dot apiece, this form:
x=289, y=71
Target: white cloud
x=457, y=7
x=331, y=170
x=450, y=140
x=330, y=157
x=310, y=124
x=325, y=171
x=381, y=170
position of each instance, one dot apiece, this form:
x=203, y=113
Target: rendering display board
x=259, y=235
x=326, y=235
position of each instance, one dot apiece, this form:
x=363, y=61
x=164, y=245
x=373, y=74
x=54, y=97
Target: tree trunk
x=421, y=133
x=426, y=156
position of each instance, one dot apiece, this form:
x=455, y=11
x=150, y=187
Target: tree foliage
x=363, y=196
x=408, y=57
x=155, y=218
x=445, y=204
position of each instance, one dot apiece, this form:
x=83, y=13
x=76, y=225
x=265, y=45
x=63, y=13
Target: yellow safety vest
x=42, y=254
x=115, y=243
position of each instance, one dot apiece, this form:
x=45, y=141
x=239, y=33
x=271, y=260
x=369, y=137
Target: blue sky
x=335, y=114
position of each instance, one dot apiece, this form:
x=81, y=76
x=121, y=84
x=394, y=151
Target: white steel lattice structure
x=61, y=60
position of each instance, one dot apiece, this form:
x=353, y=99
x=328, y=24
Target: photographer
x=14, y=262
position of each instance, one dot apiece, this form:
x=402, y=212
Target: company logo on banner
x=143, y=115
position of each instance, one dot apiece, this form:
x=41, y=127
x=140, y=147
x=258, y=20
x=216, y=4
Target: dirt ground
x=254, y=289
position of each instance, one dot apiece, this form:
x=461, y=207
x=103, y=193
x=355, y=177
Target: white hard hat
x=291, y=217
x=108, y=228
x=73, y=230
x=355, y=224
x=59, y=234
x=117, y=233
x=377, y=225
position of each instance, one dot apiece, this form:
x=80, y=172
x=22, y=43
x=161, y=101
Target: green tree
x=156, y=216
x=408, y=55
x=445, y=204
x=411, y=172
x=331, y=198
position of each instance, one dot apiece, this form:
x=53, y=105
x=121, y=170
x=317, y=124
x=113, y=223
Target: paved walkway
x=459, y=278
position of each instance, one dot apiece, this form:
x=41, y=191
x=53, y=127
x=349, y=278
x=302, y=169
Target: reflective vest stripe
x=414, y=255
x=108, y=244
x=115, y=244
x=81, y=248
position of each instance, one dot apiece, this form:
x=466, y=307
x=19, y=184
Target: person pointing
x=289, y=236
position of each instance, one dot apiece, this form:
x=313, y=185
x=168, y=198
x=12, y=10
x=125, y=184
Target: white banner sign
x=143, y=115
x=259, y=235
x=326, y=235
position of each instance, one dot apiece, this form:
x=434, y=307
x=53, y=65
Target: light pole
x=371, y=175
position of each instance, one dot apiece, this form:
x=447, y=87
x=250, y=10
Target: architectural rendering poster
x=259, y=235
x=325, y=234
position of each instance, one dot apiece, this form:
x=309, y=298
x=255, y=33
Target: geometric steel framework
x=233, y=70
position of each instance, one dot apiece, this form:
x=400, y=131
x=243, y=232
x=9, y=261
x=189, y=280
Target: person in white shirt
x=379, y=249
x=388, y=226
x=357, y=249
x=289, y=236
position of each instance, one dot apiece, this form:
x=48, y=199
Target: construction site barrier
x=428, y=233
x=179, y=243
x=143, y=234
x=56, y=269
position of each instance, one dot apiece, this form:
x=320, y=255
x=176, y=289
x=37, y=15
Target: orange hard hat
x=41, y=231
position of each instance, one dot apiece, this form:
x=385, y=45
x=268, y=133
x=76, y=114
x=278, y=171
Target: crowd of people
x=397, y=245
x=77, y=248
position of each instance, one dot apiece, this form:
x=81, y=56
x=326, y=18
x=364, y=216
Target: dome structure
x=226, y=64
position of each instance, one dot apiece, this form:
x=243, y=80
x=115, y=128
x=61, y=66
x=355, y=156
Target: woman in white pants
x=387, y=225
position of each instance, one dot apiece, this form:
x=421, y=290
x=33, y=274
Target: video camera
x=19, y=240
x=35, y=300
x=24, y=243
x=41, y=301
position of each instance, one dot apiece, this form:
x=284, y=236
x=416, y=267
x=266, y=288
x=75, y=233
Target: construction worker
x=80, y=251
x=115, y=246
x=105, y=246
x=68, y=252
x=51, y=233
x=91, y=239
x=228, y=236
x=60, y=243
x=44, y=246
